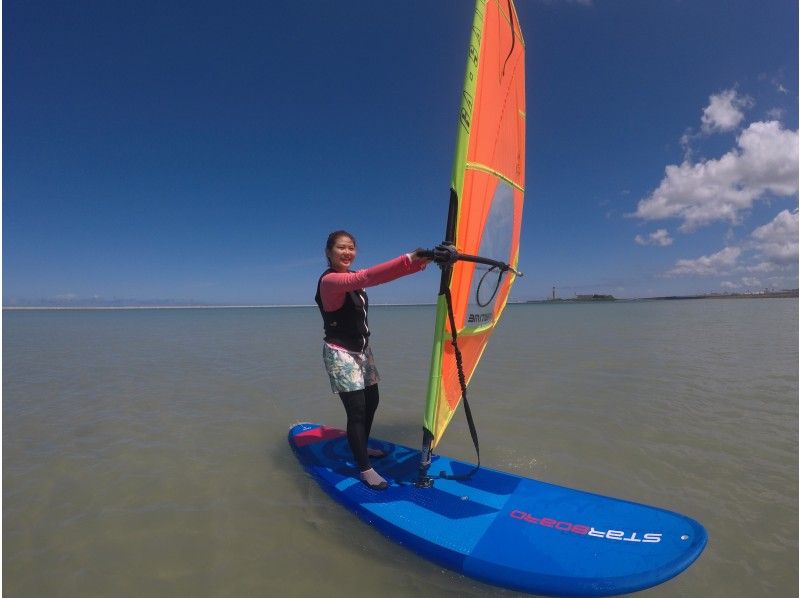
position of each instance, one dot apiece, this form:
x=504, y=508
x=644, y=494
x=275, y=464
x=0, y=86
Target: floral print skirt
x=349, y=370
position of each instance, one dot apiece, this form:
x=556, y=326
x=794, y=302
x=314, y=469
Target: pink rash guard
x=334, y=286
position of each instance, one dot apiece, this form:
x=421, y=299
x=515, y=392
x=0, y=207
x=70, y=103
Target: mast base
x=424, y=481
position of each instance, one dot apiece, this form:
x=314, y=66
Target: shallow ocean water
x=145, y=453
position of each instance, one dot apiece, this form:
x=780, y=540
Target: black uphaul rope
x=463, y=383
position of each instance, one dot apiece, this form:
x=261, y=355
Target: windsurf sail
x=485, y=211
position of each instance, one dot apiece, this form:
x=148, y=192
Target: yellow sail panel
x=487, y=186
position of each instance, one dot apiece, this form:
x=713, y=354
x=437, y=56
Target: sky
x=201, y=152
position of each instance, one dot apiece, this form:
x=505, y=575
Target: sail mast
x=485, y=209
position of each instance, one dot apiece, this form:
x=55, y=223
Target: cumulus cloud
x=764, y=162
x=770, y=248
x=761, y=268
x=717, y=264
x=724, y=111
x=751, y=282
x=777, y=241
x=776, y=113
x=744, y=283
x=660, y=237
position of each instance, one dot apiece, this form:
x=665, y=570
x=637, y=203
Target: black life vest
x=347, y=326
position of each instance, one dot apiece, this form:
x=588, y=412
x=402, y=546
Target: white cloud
x=724, y=111
x=743, y=282
x=771, y=248
x=776, y=113
x=717, y=264
x=765, y=162
x=761, y=268
x=776, y=241
x=686, y=143
x=660, y=237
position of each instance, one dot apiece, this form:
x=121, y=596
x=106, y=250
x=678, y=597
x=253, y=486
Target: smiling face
x=342, y=253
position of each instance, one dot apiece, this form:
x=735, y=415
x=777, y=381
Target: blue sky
x=199, y=151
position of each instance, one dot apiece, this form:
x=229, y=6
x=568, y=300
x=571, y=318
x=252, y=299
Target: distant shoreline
x=784, y=294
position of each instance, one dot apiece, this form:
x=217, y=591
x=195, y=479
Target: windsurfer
x=346, y=352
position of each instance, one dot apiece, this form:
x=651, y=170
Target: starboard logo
x=586, y=530
x=479, y=318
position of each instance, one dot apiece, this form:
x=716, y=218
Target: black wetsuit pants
x=360, y=406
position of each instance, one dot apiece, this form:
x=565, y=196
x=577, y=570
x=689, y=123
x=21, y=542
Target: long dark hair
x=332, y=241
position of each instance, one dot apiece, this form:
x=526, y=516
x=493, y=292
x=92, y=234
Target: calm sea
x=145, y=453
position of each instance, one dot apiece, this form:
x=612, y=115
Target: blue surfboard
x=503, y=529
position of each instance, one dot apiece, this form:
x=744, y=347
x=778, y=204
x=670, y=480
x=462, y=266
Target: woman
x=348, y=358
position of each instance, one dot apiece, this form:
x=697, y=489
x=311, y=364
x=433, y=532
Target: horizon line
x=751, y=294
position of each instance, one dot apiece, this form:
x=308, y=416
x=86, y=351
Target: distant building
x=594, y=297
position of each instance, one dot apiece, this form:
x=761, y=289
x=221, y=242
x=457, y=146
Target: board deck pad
x=504, y=529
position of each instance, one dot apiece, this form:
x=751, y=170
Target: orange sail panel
x=487, y=190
